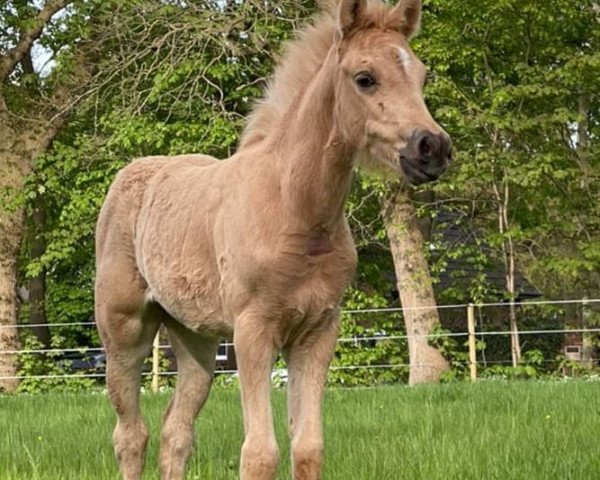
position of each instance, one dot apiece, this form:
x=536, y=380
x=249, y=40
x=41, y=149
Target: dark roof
x=452, y=230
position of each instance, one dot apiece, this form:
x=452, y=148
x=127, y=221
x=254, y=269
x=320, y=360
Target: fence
x=578, y=322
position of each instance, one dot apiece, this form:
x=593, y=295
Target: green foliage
x=48, y=364
x=507, y=78
x=530, y=318
x=226, y=380
x=165, y=382
x=531, y=367
x=361, y=359
x=381, y=361
x=455, y=351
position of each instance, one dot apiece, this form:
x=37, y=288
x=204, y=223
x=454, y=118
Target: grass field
x=490, y=430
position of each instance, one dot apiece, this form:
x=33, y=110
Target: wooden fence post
x=472, y=343
x=155, y=361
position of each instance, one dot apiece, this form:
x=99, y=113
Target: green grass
x=490, y=430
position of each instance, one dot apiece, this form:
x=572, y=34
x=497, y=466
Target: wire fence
x=474, y=337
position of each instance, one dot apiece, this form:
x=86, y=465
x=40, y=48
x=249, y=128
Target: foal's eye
x=365, y=80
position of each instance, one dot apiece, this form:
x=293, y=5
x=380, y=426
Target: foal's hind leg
x=127, y=332
x=195, y=364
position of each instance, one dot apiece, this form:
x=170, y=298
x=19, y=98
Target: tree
x=415, y=286
x=19, y=144
x=515, y=87
x=34, y=106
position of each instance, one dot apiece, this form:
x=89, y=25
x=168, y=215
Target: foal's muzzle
x=426, y=156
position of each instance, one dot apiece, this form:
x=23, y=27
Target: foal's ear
x=406, y=17
x=350, y=13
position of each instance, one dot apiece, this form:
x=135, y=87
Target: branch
x=51, y=131
x=16, y=54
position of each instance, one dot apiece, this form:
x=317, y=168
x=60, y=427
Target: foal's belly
x=208, y=303
x=191, y=299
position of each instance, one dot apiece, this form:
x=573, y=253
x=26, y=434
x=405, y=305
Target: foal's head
x=379, y=90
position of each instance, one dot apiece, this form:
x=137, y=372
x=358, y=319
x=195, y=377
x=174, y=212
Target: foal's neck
x=316, y=161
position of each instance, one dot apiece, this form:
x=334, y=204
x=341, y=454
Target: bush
x=38, y=366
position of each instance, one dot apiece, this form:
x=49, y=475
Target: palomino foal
x=257, y=246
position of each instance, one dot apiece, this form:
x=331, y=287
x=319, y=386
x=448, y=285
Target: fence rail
x=472, y=334
x=340, y=340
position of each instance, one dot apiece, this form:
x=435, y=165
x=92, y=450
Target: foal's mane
x=301, y=60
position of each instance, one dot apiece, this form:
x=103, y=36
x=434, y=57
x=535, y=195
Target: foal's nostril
x=428, y=147
x=428, y=151
x=425, y=146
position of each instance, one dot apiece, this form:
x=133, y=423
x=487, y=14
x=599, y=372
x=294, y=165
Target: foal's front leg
x=255, y=353
x=308, y=360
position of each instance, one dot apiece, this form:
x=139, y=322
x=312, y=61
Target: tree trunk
x=37, y=247
x=10, y=236
x=415, y=288
x=515, y=340
x=508, y=251
x=509, y=255
x=11, y=231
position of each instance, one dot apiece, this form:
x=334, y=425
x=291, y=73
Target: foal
x=257, y=246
